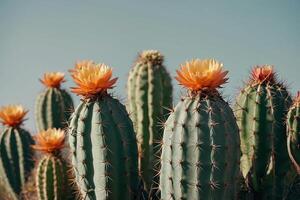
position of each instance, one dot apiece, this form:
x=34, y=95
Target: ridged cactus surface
x=293, y=128
x=102, y=139
x=51, y=178
x=200, y=148
x=54, y=105
x=260, y=110
x=16, y=156
x=149, y=97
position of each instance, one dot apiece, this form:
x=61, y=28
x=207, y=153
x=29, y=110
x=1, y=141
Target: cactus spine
x=54, y=105
x=260, y=110
x=200, y=148
x=16, y=157
x=149, y=95
x=51, y=175
x=102, y=139
x=293, y=128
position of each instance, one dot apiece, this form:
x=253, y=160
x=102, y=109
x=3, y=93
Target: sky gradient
x=43, y=36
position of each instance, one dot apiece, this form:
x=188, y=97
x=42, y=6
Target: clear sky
x=42, y=36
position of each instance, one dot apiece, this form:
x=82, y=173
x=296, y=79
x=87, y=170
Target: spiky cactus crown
x=153, y=57
x=92, y=79
x=263, y=74
x=53, y=79
x=12, y=115
x=201, y=75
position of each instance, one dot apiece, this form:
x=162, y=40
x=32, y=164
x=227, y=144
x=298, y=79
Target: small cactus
x=16, y=156
x=51, y=175
x=200, y=148
x=149, y=97
x=101, y=137
x=54, y=105
x=261, y=108
x=293, y=129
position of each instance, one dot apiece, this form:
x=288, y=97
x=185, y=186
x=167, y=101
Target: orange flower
x=53, y=79
x=199, y=75
x=83, y=63
x=263, y=73
x=50, y=140
x=92, y=79
x=12, y=115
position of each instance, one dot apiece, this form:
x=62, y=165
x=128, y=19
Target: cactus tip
x=12, y=115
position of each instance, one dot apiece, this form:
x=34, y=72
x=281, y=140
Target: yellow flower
x=50, y=140
x=12, y=115
x=199, y=75
x=53, y=79
x=263, y=73
x=92, y=79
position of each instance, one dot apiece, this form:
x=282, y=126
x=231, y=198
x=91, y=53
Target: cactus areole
x=200, y=148
x=149, y=91
x=16, y=157
x=293, y=129
x=101, y=137
x=53, y=105
x=260, y=110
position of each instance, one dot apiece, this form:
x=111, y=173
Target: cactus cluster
x=200, y=149
x=149, y=97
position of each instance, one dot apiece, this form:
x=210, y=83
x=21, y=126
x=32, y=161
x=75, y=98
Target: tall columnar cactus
x=101, y=137
x=149, y=97
x=260, y=110
x=54, y=105
x=200, y=149
x=16, y=157
x=51, y=174
x=293, y=128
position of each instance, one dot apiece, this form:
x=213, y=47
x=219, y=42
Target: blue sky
x=41, y=36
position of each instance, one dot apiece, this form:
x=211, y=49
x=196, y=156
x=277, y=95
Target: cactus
x=54, y=105
x=101, y=137
x=51, y=175
x=260, y=111
x=16, y=157
x=149, y=96
x=293, y=129
x=200, y=149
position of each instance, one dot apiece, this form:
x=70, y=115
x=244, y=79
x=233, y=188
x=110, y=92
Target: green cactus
x=149, y=96
x=200, y=148
x=293, y=128
x=260, y=111
x=16, y=156
x=102, y=139
x=51, y=178
x=54, y=105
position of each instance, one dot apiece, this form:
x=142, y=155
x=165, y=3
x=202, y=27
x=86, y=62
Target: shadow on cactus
x=260, y=110
x=101, y=137
x=54, y=105
x=16, y=156
x=149, y=91
x=200, y=148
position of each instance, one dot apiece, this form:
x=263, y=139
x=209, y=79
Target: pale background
x=40, y=36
